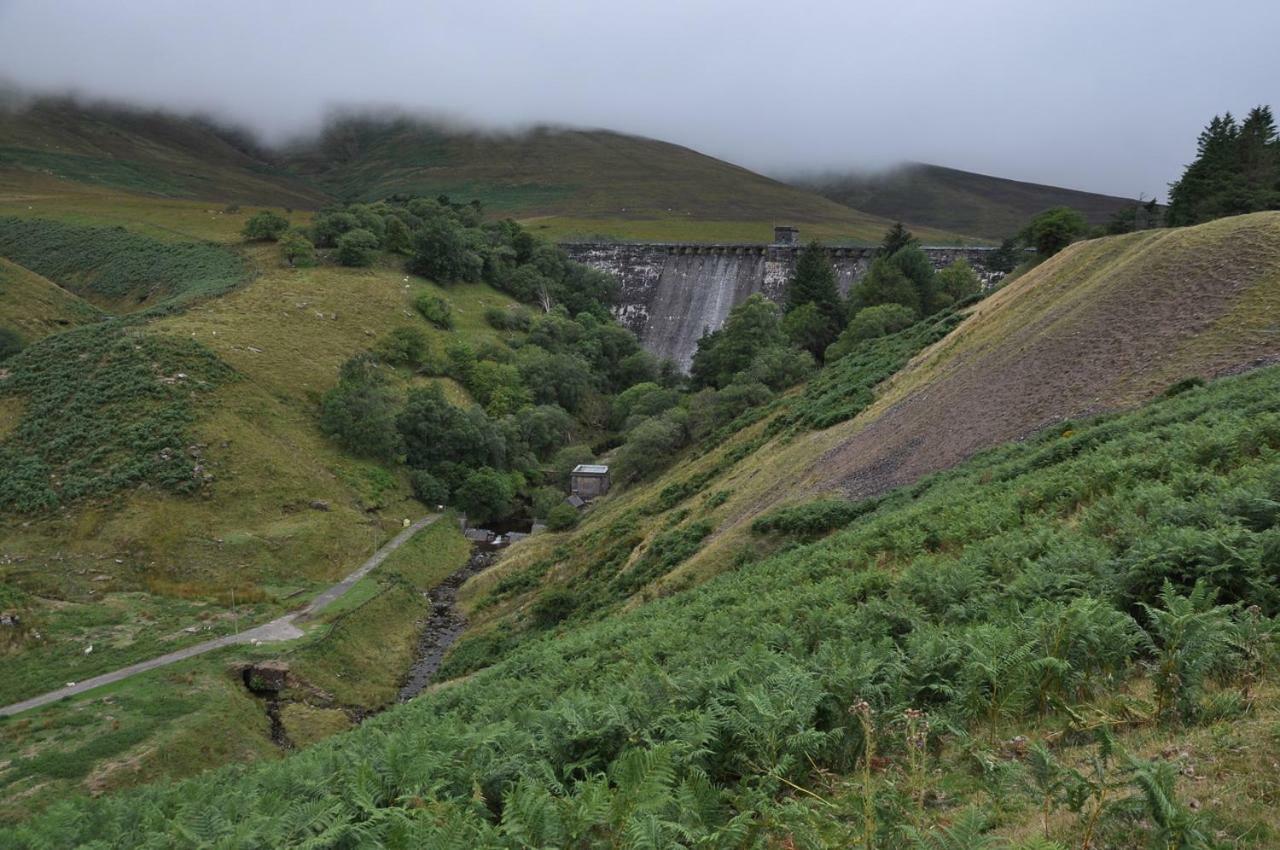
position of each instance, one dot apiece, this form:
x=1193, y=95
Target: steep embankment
x=1105, y=324
x=951, y=199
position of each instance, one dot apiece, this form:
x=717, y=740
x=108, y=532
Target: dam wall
x=671, y=294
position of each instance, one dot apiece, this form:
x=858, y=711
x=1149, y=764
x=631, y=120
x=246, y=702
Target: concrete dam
x=673, y=293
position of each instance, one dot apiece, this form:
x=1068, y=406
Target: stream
x=445, y=623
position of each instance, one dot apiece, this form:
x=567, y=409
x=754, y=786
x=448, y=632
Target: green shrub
x=428, y=489
x=554, y=607
x=871, y=323
x=562, y=517
x=508, y=318
x=435, y=310
x=297, y=249
x=265, y=226
x=1185, y=385
x=810, y=519
x=357, y=248
x=360, y=412
x=403, y=346
x=10, y=343
x=485, y=495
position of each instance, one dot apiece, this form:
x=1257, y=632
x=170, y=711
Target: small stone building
x=589, y=481
x=786, y=235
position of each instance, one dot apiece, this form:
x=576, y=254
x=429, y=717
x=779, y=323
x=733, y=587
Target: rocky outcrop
x=671, y=294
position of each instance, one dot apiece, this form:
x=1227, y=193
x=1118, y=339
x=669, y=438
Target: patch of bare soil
x=1135, y=325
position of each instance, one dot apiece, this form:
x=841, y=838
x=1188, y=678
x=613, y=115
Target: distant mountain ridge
x=955, y=200
x=565, y=182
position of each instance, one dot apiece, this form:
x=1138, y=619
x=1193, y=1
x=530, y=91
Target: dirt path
x=281, y=628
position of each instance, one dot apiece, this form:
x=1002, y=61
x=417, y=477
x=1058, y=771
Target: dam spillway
x=670, y=294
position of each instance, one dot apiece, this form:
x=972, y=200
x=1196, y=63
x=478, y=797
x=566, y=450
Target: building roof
x=590, y=469
x=575, y=501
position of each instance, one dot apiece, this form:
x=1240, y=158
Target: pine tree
x=895, y=239
x=1236, y=170
x=814, y=282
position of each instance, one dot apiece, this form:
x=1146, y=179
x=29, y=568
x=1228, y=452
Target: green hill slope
x=577, y=183
x=574, y=182
x=35, y=307
x=148, y=152
x=955, y=200
x=564, y=183
x=927, y=669
x=1105, y=325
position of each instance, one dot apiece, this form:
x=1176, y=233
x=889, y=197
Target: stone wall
x=673, y=293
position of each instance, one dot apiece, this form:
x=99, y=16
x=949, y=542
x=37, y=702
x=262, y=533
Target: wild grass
x=35, y=307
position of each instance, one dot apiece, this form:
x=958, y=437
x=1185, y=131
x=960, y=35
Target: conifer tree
x=814, y=282
x=895, y=239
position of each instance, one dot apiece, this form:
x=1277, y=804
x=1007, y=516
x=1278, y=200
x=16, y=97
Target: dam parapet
x=671, y=293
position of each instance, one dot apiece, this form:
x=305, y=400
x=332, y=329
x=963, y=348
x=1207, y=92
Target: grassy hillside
x=1017, y=653
x=35, y=307
x=146, y=152
x=169, y=465
x=959, y=201
x=1106, y=325
x=575, y=184
x=565, y=184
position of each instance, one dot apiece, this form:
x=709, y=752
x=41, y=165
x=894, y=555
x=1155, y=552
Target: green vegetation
x=105, y=408
x=297, y=250
x=265, y=226
x=959, y=201
x=1032, y=587
x=814, y=312
x=846, y=386
x=1052, y=230
x=10, y=343
x=562, y=183
x=117, y=269
x=435, y=310
x=1236, y=170
x=549, y=380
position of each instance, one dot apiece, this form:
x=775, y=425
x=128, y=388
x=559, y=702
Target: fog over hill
x=822, y=85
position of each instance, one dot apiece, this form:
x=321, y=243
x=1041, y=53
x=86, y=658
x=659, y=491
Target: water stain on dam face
x=671, y=294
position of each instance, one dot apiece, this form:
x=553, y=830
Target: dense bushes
x=870, y=323
x=845, y=387
x=10, y=343
x=435, y=310
x=810, y=519
x=106, y=407
x=547, y=382
x=450, y=242
x=359, y=413
x=115, y=265
x=265, y=226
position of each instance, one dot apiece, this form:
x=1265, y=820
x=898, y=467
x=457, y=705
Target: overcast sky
x=1106, y=95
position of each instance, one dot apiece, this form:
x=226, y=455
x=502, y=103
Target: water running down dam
x=672, y=293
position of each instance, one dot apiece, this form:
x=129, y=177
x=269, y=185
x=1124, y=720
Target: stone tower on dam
x=673, y=293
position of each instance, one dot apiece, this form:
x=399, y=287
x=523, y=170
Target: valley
x=909, y=540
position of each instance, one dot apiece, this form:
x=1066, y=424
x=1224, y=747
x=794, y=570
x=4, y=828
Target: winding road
x=281, y=628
